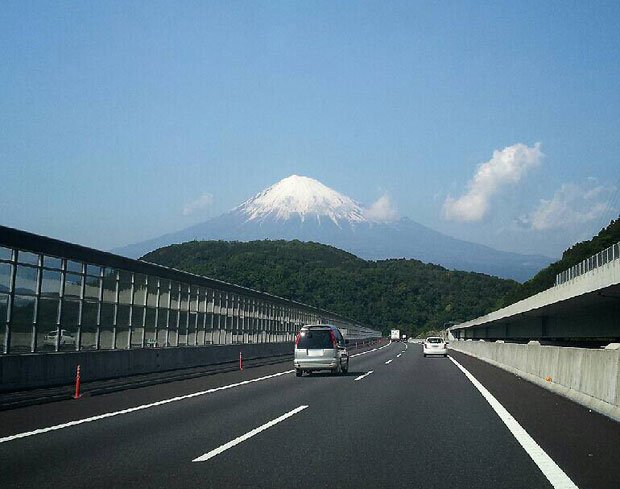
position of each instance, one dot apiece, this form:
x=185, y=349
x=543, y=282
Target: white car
x=434, y=345
x=66, y=338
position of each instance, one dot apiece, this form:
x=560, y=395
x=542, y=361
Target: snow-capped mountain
x=303, y=208
x=302, y=197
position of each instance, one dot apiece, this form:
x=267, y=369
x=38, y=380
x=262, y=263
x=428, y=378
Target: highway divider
x=37, y=379
x=18, y=372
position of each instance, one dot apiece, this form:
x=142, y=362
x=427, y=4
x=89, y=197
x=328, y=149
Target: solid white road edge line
x=365, y=375
x=154, y=404
x=388, y=362
x=248, y=435
x=370, y=351
x=140, y=408
x=555, y=475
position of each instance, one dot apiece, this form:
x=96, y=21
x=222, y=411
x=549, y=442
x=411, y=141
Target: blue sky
x=496, y=122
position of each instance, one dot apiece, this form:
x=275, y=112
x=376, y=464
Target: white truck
x=395, y=335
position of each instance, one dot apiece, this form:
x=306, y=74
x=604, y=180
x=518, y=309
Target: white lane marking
x=398, y=356
x=139, y=408
x=555, y=475
x=388, y=362
x=154, y=404
x=248, y=435
x=365, y=375
x=370, y=351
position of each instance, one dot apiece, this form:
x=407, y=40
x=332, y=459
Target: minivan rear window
x=315, y=340
x=435, y=340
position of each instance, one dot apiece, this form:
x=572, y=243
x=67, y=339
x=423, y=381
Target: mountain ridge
x=304, y=209
x=405, y=294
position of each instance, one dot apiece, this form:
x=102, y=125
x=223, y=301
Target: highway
x=395, y=420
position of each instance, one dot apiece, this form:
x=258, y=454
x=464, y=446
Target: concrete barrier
x=28, y=371
x=36, y=370
x=590, y=377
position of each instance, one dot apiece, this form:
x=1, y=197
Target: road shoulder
x=584, y=443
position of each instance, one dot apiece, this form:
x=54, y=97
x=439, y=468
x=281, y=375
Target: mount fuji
x=302, y=208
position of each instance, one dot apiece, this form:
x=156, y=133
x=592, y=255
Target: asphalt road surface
x=413, y=422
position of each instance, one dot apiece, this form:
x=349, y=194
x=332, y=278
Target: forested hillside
x=404, y=294
x=572, y=256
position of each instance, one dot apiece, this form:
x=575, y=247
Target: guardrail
x=598, y=260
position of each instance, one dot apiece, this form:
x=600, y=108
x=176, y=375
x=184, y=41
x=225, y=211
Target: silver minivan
x=320, y=347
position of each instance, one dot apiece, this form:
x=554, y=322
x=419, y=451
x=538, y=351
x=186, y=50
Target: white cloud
x=505, y=168
x=201, y=203
x=572, y=205
x=383, y=209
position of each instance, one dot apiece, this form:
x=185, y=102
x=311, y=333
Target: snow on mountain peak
x=305, y=197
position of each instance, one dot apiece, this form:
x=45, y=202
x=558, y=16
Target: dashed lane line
x=364, y=376
x=248, y=435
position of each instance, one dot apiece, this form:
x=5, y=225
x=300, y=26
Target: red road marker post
x=240, y=361
x=77, y=384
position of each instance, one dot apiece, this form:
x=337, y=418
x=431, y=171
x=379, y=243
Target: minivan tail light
x=297, y=338
x=333, y=338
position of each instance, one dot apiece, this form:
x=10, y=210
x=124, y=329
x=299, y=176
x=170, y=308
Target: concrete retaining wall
x=49, y=369
x=590, y=377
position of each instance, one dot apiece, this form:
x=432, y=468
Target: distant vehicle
x=395, y=335
x=66, y=338
x=320, y=347
x=434, y=345
x=403, y=337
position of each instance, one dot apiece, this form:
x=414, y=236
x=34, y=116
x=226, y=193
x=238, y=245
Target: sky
x=496, y=122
